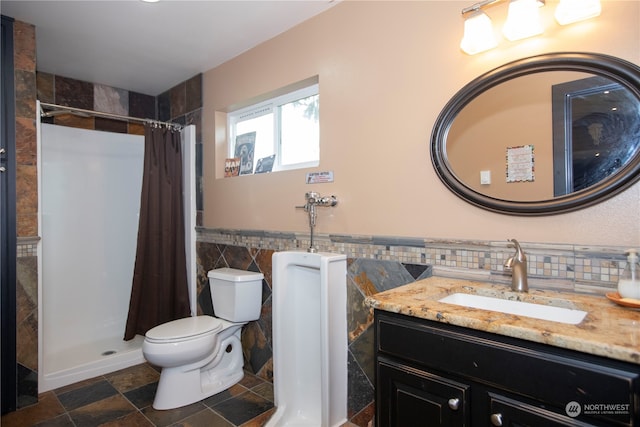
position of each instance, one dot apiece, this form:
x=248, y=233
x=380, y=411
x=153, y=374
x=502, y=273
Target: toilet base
x=184, y=385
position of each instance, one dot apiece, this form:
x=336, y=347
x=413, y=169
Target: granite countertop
x=608, y=329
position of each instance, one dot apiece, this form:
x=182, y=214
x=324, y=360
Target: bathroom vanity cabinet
x=430, y=373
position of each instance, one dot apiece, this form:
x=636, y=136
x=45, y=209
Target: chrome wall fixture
x=523, y=20
x=314, y=199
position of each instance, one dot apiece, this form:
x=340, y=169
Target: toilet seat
x=184, y=329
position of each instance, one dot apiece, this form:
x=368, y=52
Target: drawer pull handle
x=454, y=403
x=496, y=419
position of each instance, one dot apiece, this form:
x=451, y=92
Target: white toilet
x=202, y=355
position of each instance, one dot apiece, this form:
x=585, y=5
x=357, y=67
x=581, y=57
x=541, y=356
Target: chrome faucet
x=518, y=266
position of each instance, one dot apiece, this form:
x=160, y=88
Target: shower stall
x=89, y=191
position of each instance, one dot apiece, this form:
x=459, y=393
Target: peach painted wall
x=386, y=69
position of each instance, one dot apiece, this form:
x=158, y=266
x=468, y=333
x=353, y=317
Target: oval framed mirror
x=542, y=135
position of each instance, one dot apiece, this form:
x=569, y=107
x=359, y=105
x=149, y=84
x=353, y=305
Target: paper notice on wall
x=319, y=177
x=520, y=164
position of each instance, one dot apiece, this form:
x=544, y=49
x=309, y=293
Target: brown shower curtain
x=159, y=292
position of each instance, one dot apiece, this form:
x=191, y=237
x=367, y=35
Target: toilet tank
x=236, y=294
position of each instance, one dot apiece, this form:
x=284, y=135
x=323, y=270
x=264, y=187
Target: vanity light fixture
x=523, y=20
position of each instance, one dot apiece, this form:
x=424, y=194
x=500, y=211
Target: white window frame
x=266, y=107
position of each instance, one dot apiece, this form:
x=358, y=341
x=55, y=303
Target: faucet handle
x=330, y=201
x=513, y=243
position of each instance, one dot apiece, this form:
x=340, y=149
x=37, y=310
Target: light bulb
x=523, y=20
x=478, y=34
x=570, y=11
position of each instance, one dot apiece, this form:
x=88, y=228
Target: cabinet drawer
x=409, y=397
x=509, y=412
x=546, y=375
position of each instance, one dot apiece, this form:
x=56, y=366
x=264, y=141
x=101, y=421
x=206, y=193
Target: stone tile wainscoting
x=375, y=264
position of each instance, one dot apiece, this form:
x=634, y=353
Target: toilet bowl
x=202, y=355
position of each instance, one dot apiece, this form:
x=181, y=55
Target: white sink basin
x=519, y=308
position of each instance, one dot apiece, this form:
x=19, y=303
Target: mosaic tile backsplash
x=565, y=267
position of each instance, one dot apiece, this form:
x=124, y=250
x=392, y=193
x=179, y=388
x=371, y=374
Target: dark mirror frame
x=618, y=70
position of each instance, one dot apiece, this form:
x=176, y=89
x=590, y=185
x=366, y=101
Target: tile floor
x=124, y=398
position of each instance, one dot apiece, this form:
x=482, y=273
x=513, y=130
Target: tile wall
x=364, y=277
x=378, y=263
x=24, y=39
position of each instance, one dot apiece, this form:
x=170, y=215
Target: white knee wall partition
x=309, y=339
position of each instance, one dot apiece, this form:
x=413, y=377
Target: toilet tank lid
x=234, y=275
x=184, y=328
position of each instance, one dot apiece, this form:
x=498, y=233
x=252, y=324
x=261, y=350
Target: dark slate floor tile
x=124, y=399
x=48, y=407
x=167, y=418
x=204, y=418
x=134, y=419
x=61, y=421
x=86, y=395
x=243, y=408
x=233, y=391
x=143, y=396
x=102, y=411
x=265, y=390
x=249, y=380
x=133, y=377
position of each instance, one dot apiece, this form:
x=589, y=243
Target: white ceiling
x=151, y=47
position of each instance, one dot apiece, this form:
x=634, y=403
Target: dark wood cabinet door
x=409, y=397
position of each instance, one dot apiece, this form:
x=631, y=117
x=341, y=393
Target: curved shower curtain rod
x=57, y=109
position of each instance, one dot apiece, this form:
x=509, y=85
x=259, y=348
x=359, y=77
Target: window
x=278, y=134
